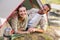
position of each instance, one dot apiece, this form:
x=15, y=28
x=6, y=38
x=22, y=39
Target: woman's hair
x=19, y=7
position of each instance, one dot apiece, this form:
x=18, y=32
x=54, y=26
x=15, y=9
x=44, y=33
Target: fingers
x=31, y=29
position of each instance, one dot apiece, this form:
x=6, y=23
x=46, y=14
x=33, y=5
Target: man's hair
x=49, y=7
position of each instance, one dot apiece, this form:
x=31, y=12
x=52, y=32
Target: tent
x=7, y=7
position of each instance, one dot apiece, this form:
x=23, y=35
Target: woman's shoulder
x=14, y=15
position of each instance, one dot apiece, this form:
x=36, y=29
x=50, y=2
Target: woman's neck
x=21, y=18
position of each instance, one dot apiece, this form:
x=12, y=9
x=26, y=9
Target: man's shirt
x=37, y=19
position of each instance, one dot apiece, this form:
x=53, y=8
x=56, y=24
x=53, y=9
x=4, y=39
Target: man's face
x=22, y=12
x=46, y=8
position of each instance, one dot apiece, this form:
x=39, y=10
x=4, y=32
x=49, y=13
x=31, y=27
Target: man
x=40, y=18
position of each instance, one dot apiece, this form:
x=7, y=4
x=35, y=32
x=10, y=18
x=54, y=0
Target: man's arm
x=35, y=30
x=33, y=23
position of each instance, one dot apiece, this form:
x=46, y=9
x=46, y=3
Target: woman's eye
x=24, y=10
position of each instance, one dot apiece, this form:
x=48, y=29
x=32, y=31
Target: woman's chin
x=23, y=16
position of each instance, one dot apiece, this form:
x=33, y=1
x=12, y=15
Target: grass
x=1, y=38
x=34, y=36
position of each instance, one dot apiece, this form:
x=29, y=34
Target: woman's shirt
x=17, y=24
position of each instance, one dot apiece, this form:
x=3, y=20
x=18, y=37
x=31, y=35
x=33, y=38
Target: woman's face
x=22, y=12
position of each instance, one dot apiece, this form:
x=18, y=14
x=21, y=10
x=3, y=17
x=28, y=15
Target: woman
x=18, y=23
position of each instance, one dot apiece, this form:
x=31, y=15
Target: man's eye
x=45, y=9
x=20, y=11
x=24, y=10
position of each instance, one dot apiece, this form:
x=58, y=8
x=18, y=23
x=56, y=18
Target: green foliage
x=27, y=4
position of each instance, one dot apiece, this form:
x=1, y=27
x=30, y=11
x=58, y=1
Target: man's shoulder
x=34, y=9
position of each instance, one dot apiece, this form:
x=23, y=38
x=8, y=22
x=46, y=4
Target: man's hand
x=31, y=29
